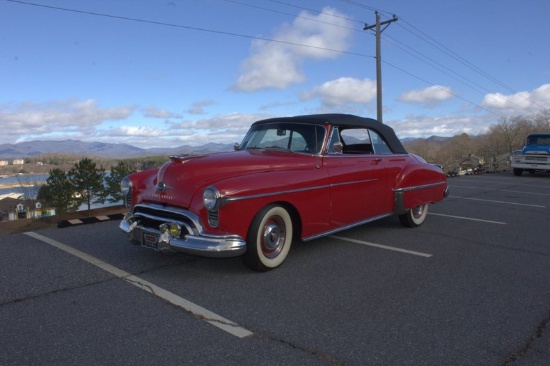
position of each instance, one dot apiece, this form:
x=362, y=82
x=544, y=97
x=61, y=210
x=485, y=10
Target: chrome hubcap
x=417, y=212
x=273, y=237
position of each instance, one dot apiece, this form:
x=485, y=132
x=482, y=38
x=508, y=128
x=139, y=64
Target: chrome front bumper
x=192, y=242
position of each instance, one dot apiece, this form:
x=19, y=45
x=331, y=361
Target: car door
x=357, y=176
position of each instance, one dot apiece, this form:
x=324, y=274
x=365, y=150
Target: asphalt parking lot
x=471, y=286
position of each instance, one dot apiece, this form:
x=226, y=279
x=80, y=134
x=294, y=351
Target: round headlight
x=125, y=185
x=210, y=198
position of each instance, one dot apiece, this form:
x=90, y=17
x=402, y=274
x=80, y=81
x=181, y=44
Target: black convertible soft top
x=346, y=120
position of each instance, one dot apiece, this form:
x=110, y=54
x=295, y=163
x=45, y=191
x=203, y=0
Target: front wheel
x=269, y=239
x=518, y=172
x=415, y=216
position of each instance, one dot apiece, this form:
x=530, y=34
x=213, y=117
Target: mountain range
x=27, y=149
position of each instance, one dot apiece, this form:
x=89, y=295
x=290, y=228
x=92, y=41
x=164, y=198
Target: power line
x=447, y=91
x=313, y=10
x=187, y=27
x=445, y=70
x=294, y=15
x=446, y=50
x=441, y=47
x=158, y=23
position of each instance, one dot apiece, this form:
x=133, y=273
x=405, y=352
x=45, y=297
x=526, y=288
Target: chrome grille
x=538, y=159
x=213, y=218
x=155, y=215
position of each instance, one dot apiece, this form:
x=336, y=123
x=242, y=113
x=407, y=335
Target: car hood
x=536, y=149
x=177, y=181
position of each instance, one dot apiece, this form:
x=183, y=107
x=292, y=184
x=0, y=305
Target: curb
x=89, y=220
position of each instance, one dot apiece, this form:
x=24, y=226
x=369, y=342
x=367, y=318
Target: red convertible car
x=291, y=178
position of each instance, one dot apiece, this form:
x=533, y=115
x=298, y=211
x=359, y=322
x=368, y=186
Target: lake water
x=19, y=180
x=38, y=180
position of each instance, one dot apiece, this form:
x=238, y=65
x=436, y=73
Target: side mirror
x=237, y=146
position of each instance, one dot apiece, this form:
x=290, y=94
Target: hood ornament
x=162, y=187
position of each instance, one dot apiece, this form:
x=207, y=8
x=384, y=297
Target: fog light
x=175, y=229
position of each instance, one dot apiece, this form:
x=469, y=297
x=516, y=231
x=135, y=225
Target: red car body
x=291, y=178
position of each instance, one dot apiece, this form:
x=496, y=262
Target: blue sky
x=155, y=73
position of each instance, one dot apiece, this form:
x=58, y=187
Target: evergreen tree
x=112, y=181
x=58, y=193
x=88, y=181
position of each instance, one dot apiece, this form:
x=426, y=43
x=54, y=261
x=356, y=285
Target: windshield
x=295, y=137
x=540, y=140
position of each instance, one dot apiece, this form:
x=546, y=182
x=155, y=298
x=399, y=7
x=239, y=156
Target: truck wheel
x=269, y=239
x=415, y=216
x=518, y=172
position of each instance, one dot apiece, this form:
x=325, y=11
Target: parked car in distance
x=291, y=178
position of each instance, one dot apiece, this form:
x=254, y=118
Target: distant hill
x=111, y=151
x=429, y=139
x=98, y=149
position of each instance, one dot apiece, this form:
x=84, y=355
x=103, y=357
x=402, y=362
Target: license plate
x=150, y=240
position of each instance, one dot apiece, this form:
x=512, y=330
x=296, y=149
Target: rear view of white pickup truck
x=535, y=155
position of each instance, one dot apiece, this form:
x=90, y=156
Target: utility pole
x=379, y=60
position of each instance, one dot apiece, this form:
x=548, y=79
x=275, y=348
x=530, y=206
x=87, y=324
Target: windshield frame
x=305, y=138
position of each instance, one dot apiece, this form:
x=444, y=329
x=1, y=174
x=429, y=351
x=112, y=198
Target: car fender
x=419, y=184
x=304, y=192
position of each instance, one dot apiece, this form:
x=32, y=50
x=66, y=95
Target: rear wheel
x=269, y=239
x=415, y=216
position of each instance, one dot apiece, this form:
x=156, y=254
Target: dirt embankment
x=23, y=225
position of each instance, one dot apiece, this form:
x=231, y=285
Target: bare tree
x=512, y=131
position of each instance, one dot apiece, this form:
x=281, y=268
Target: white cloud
x=154, y=112
x=430, y=96
x=56, y=117
x=198, y=106
x=226, y=121
x=277, y=64
x=139, y=131
x=343, y=91
x=520, y=103
x=424, y=126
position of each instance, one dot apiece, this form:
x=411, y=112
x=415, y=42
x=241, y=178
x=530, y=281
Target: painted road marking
x=493, y=201
x=502, y=190
x=196, y=310
x=468, y=218
x=380, y=246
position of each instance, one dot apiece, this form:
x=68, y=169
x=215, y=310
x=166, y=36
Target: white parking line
x=493, y=201
x=426, y=255
x=196, y=310
x=502, y=190
x=467, y=218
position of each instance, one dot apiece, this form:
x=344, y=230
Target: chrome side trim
x=414, y=188
x=317, y=236
x=226, y=199
x=370, y=155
